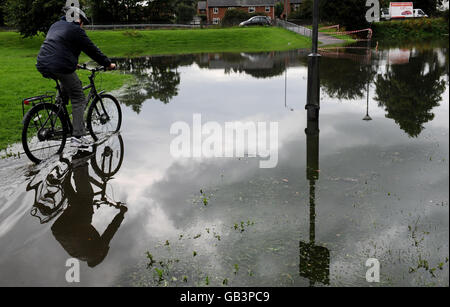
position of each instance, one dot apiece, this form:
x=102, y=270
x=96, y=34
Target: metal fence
x=293, y=27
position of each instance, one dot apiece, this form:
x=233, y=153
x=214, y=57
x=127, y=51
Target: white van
x=418, y=13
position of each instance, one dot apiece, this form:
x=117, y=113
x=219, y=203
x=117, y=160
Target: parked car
x=256, y=21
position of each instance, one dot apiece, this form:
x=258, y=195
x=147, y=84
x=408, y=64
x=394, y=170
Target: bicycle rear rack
x=36, y=100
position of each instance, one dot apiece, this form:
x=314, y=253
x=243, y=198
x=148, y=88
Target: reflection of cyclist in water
x=55, y=194
x=73, y=229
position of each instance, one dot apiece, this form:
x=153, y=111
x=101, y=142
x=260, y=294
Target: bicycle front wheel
x=44, y=132
x=104, y=117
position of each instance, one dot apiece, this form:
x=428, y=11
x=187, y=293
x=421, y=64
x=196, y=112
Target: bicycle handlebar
x=96, y=69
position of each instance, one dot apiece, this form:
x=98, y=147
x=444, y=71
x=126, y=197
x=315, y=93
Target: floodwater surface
x=370, y=182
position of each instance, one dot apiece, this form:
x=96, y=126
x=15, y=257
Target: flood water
x=378, y=186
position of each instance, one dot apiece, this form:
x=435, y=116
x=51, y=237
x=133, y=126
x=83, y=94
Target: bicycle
x=47, y=125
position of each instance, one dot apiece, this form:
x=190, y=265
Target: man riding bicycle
x=58, y=59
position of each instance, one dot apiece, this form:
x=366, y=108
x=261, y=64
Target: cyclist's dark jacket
x=60, y=51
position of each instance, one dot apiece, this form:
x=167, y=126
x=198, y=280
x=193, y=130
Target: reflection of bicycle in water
x=73, y=205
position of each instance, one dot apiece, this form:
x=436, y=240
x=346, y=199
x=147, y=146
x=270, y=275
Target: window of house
x=216, y=10
x=296, y=7
x=216, y=21
x=267, y=9
x=231, y=8
x=251, y=9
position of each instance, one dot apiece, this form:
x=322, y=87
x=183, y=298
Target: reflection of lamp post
x=369, y=51
x=367, y=117
x=314, y=260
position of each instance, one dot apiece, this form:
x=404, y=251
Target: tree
x=160, y=11
x=428, y=6
x=156, y=78
x=348, y=13
x=2, y=17
x=32, y=16
x=410, y=92
x=279, y=9
x=185, y=13
x=115, y=11
x=345, y=78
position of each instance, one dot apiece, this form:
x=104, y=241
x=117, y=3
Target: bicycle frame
x=93, y=94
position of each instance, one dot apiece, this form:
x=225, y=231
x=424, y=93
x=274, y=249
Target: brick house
x=201, y=8
x=216, y=9
x=291, y=5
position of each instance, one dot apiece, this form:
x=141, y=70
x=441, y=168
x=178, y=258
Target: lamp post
x=315, y=25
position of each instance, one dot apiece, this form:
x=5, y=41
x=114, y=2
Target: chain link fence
x=293, y=27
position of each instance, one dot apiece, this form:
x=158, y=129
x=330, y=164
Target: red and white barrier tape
x=330, y=27
x=369, y=30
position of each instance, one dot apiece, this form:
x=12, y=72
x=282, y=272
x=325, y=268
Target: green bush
x=410, y=29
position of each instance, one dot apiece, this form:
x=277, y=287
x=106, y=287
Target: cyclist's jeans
x=71, y=86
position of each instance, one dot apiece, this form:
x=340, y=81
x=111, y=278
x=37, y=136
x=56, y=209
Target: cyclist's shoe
x=80, y=142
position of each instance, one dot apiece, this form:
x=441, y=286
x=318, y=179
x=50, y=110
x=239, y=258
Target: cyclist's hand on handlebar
x=111, y=67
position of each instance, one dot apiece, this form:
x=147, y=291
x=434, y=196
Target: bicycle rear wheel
x=104, y=117
x=44, y=132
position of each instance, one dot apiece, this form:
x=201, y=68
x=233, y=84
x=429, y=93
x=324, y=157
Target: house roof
x=296, y=1
x=201, y=5
x=231, y=3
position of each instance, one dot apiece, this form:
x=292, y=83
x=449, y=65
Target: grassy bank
x=19, y=78
x=411, y=29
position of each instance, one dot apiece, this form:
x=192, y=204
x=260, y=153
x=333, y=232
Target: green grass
x=20, y=79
